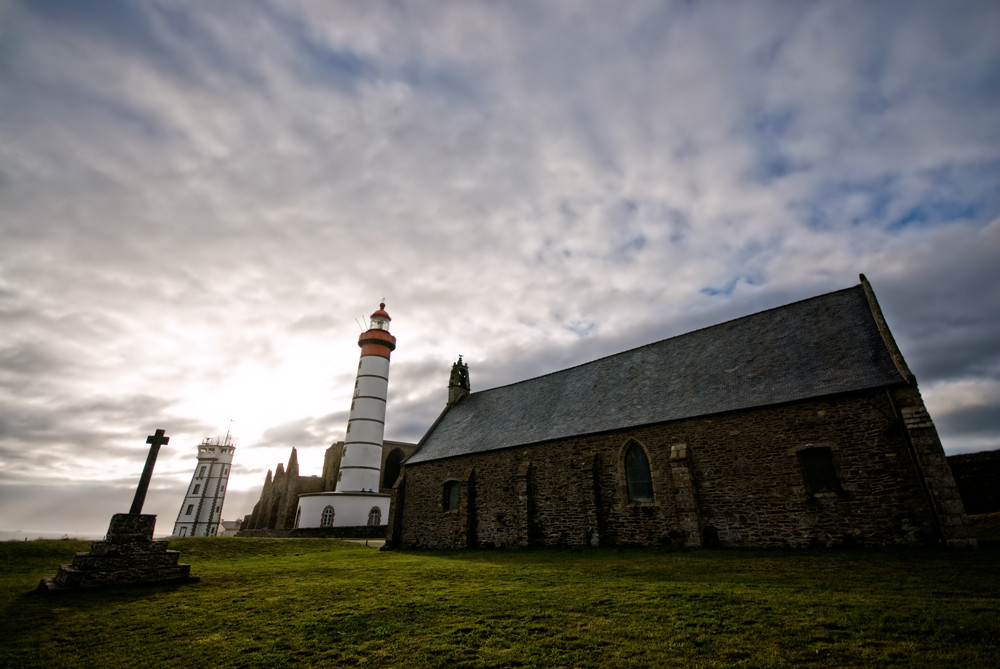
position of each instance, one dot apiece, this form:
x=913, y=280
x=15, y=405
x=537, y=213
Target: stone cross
x=156, y=440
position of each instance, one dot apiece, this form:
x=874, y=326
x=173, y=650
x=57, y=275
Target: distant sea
x=21, y=535
x=31, y=535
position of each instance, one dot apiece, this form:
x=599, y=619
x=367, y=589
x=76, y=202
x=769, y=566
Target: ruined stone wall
x=279, y=498
x=977, y=476
x=730, y=480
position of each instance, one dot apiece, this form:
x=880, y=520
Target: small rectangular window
x=450, y=496
x=818, y=470
x=201, y=474
x=190, y=509
x=197, y=487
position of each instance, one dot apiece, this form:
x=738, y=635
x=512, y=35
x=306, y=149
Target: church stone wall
x=728, y=480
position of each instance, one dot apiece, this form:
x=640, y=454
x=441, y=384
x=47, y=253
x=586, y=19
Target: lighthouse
x=356, y=500
x=361, y=466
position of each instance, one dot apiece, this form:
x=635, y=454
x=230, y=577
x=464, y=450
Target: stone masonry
x=127, y=556
x=723, y=480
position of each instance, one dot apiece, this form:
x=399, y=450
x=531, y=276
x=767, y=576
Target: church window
x=449, y=497
x=298, y=516
x=637, y=475
x=375, y=516
x=326, y=520
x=197, y=487
x=818, y=470
x=190, y=509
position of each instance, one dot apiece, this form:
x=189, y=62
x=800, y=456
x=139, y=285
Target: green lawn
x=315, y=602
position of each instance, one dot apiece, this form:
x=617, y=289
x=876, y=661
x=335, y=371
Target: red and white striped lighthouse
x=356, y=500
x=361, y=466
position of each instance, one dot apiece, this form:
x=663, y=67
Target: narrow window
x=449, y=497
x=201, y=474
x=818, y=470
x=375, y=516
x=190, y=509
x=637, y=476
x=326, y=520
x=184, y=531
x=197, y=487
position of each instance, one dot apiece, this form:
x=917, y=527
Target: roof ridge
x=676, y=336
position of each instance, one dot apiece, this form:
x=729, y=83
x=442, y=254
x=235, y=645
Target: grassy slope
x=309, y=602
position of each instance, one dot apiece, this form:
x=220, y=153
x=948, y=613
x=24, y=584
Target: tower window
x=201, y=473
x=449, y=496
x=184, y=531
x=326, y=520
x=190, y=509
x=197, y=487
x=637, y=474
x=818, y=470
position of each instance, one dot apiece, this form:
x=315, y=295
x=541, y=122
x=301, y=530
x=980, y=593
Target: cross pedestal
x=128, y=555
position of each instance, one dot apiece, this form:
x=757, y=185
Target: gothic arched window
x=375, y=516
x=449, y=496
x=326, y=520
x=637, y=476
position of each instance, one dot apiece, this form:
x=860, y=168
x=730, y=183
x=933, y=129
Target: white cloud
x=198, y=202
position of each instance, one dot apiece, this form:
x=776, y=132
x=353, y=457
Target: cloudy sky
x=199, y=202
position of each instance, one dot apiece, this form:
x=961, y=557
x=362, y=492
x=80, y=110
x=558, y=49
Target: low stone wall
x=356, y=532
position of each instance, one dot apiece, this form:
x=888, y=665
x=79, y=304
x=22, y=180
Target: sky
x=200, y=202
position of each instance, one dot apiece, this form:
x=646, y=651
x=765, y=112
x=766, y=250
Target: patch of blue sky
x=167, y=37
x=346, y=69
x=766, y=131
x=847, y=203
x=726, y=289
x=936, y=212
x=581, y=328
x=627, y=238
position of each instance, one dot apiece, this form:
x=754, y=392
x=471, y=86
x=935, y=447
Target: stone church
x=797, y=426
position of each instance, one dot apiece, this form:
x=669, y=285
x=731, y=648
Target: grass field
x=315, y=602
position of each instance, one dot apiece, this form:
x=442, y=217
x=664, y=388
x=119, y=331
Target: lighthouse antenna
x=359, y=324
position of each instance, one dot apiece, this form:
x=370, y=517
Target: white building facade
x=201, y=510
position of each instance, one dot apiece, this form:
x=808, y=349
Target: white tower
x=361, y=465
x=201, y=510
x=356, y=501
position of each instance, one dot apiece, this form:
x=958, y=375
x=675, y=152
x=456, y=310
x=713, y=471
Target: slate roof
x=819, y=346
